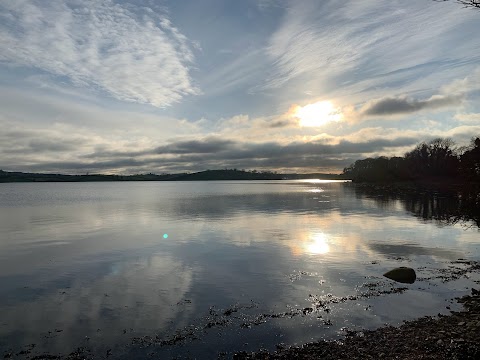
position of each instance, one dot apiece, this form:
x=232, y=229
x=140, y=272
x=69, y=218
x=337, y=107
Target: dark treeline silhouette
x=438, y=159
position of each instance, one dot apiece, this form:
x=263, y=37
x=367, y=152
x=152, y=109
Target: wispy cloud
x=131, y=52
x=64, y=64
x=339, y=43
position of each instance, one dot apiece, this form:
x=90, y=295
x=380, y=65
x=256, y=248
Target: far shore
x=207, y=175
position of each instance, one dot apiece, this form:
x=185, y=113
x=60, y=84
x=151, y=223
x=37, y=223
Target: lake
x=209, y=268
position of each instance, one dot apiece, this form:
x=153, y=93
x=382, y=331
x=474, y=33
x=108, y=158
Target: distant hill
x=35, y=177
x=227, y=174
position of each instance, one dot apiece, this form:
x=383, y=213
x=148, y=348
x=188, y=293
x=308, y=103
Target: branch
x=466, y=3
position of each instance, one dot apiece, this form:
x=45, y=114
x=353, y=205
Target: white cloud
x=330, y=44
x=131, y=52
x=471, y=82
x=473, y=118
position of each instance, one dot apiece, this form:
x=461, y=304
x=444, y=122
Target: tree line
x=437, y=159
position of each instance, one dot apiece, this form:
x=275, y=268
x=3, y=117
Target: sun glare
x=318, y=244
x=317, y=114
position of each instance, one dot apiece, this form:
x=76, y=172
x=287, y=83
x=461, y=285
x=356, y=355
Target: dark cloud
x=42, y=145
x=282, y=123
x=404, y=105
x=35, y=143
x=214, y=153
x=209, y=145
x=205, y=146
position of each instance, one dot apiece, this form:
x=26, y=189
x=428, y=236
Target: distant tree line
x=6, y=176
x=225, y=174
x=436, y=159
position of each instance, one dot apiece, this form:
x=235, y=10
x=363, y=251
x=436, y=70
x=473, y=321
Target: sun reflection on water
x=321, y=181
x=316, y=190
x=317, y=244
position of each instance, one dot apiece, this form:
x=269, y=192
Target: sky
x=140, y=86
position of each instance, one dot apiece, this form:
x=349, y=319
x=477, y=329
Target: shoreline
x=429, y=184
x=453, y=336
x=442, y=336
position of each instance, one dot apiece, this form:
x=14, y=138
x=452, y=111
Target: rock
x=402, y=274
x=307, y=310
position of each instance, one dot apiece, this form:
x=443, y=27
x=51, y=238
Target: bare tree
x=466, y=3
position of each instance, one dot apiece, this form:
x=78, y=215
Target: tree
x=377, y=169
x=439, y=158
x=436, y=158
x=470, y=160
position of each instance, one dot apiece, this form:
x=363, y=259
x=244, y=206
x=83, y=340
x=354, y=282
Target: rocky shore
x=454, y=336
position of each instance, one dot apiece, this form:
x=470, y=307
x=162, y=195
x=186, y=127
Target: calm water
x=218, y=266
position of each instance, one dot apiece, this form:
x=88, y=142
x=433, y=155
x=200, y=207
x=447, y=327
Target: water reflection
x=104, y=262
x=408, y=250
x=445, y=208
x=317, y=244
x=98, y=302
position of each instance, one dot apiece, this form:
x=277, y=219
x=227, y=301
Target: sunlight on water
x=85, y=260
x=318, y=244
x=316, y=190
x=320, y=181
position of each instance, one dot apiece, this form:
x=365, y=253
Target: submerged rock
x=402, y=274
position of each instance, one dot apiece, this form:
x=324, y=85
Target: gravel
x=454, y=336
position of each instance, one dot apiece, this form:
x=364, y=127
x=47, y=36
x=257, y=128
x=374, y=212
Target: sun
x=317, y=114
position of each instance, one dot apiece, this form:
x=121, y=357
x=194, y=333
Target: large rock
x=402, y=274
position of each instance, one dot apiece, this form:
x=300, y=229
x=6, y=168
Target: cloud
x=404, y=105
x=71, y=149
x=473, y=118
x=267, y=4
x=258, y=128
x=450, y=95
x=131, y=52
x=327, y=46
x=200, y=154
x=208, y=145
